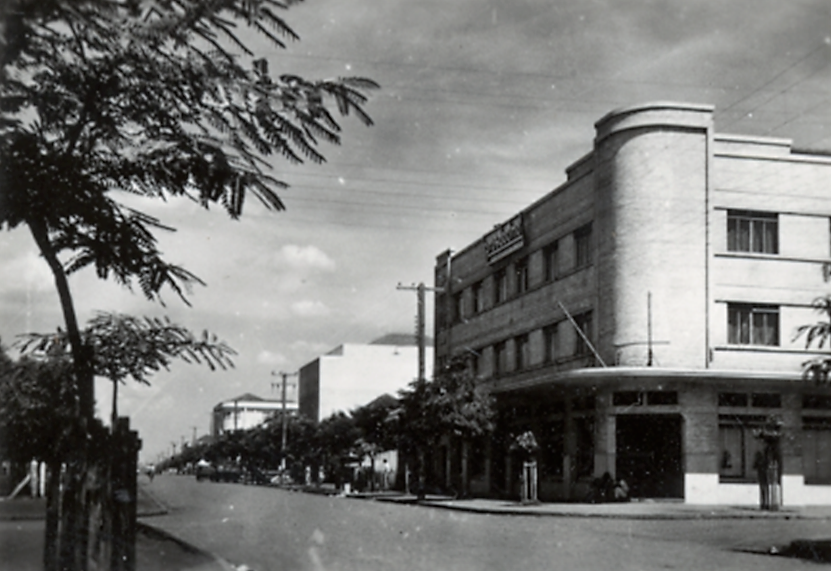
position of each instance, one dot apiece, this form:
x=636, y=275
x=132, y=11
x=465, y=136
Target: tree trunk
x=72, y=527
x=53, y=491
x=80, y=355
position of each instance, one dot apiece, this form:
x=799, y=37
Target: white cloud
x=271, y=358
x=31, y=273
x=309, y=308
x=311, y=257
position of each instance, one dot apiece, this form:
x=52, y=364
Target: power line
x=587, y=77
x=725, y=110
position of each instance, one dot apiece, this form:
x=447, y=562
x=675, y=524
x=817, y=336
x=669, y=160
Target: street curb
x=148, y=529
x=161, y=507
x=624, y=516
x=531, y=512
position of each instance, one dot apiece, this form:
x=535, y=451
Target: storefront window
x=739, y=447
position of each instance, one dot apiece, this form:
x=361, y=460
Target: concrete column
x=569, y=449
x=793, y=480
x=604, y=435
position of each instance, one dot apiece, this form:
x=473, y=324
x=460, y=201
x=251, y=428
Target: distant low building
x=246, y=411
x=353, y=374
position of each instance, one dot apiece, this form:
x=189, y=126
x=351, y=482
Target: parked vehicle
x=226, y=473
x=204, y=471
x=218, y=472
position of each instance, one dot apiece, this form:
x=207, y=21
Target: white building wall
x=358, y=374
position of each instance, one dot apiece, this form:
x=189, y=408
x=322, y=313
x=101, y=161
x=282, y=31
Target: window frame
x=551, y=258
x=551, y=340
x=522, y=352
x=816, y=462
x=743, y=427
x=458, y=307
x=750, y=231
x=583, y=255
x=522, y=282
x=748, y=325
x=585, y=321
x=500, y=286
x=500, y=356
x=477, y=295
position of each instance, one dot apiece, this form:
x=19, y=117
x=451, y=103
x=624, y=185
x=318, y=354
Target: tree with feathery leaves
x=101, y=98
x=126, y=347
x=818, y=369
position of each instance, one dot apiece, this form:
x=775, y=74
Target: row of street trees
x=425, y=413
x=156, y=99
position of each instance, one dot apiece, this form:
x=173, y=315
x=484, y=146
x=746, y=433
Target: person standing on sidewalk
x=760, y=465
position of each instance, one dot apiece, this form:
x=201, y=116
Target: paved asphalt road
x=275, y=530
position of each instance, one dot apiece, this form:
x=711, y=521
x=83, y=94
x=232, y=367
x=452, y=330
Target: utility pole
x=420, y=290
x=194, y=435
x=284, y=419
x=649, y=329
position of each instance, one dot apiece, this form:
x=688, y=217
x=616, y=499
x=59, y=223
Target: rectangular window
x=521, y=275
x=443, y=317
x=500, y=286
x=766, y=400
x=551, y=256
x=731, y=464
x=756, y=232
x=753, y=324
x=662, y=398
x=582, y=246
x=478, y=297
x=627, y=398
x=458, y=307
x=550, y=339
x=816, y=450
x=522, y=352
x=476, y=363
x=732, y=399
x=500, y=364
x=584, y=322
x=816, y=402
x=739, y=447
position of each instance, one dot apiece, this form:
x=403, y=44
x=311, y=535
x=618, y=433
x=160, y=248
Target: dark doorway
x=648, y=452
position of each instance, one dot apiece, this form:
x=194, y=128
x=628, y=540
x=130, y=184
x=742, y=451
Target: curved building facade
x=640, y=318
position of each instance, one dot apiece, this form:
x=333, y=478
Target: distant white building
x=247, y=411
x=352, y=374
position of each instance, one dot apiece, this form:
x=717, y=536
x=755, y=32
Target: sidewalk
x=22, y=529
x=646, y=509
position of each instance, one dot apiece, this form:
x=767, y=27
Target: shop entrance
x=648, y=455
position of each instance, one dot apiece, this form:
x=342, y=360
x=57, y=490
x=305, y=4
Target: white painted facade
x=354, y=374
x=247, y=411
x=689, y=258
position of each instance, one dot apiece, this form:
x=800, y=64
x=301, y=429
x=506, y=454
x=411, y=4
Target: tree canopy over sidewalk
x=149, y=98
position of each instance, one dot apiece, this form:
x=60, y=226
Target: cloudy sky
x=483, y=105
